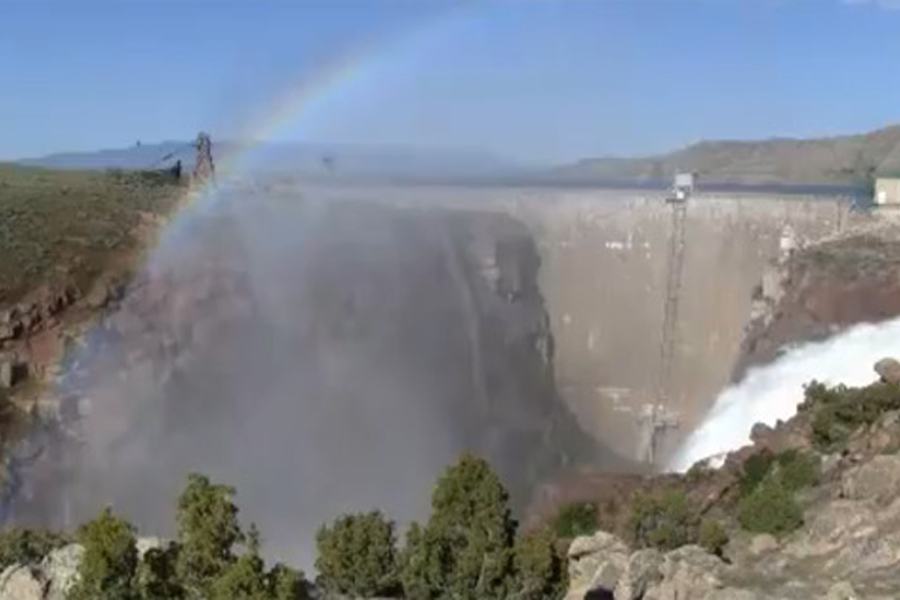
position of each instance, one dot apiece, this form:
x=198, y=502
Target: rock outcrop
x=50, y=579
x=848, y=545
x=822, y=289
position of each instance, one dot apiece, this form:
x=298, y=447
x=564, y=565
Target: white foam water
x=772, y=392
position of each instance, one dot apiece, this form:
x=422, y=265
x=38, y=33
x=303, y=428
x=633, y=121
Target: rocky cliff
x=823, y=289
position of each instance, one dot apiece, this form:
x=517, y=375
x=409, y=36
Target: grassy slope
x=68, y=224
x=840, y=160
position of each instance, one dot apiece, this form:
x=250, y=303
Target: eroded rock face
x=824, y=289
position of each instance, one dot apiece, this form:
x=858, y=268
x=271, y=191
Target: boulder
x=842, y=590
x=19, y=582
x=689, y=572
x=760, y=432
x=877, y=479
x=59, y=569
x=641, y=572
x=888, y=369
x=596, y=563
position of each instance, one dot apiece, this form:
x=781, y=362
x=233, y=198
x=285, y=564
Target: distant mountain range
x=303, y=159
x=848, y=160
x=819, y=161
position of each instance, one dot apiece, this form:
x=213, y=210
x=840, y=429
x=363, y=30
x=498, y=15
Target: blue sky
x=535, y=80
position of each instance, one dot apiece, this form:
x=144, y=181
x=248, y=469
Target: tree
x=465, y=551
x=540, y=566
x=243, y=579
x=156, y=577
x=207, y=532
x=357, y=555
x=662, y=520
x=107, y=568
x=286, y=583
x=576, y=518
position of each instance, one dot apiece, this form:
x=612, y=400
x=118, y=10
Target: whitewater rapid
x=773, y=392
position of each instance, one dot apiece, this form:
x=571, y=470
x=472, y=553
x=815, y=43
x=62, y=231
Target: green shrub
x=798, y=470
x=661, y=520
x=108, y=566
x=712, y=536
x=753, y=471
x=28, y=546
x=576, y=518
x=540, y=566
x=838, y=411
x=771, y=508
x=357, y=556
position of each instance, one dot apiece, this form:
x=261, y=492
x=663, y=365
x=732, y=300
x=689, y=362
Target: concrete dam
x=603, y=274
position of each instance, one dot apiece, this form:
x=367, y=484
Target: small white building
x=683, y=187
x=887, y=190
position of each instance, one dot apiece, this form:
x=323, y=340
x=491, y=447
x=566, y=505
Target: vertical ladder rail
x=662, y=415
x=675, y=267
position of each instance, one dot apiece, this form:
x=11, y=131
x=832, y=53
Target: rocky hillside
x=835, y=160
x=809, y=510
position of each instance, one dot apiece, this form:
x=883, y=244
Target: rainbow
x=334, y=77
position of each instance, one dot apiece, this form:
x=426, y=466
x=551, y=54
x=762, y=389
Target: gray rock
x=763, y=543
x=59, y=569
x=641, y=572
x=888, y=369
x=877, y=480
x=842, y=590
x=759, y=432
x=595, y=564
x=6, y=373
x=19, y=582
x=688, y=572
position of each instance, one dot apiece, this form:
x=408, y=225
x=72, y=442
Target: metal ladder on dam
x=661, y=416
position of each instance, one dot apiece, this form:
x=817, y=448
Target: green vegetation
x=712, y=536
x=797, y=470
x=28, y=546
x=358, y=556
x=540, y=566
x=68, y=223
x=108, y=567
x=576, y=518
x=466, y=548
x=767, y=488
x=661, y=520
x=202, y=563
x=771, y=508
x=840, y=410
x=207, y=532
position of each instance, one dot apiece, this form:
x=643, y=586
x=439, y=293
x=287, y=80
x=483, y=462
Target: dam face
x=603, y=274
